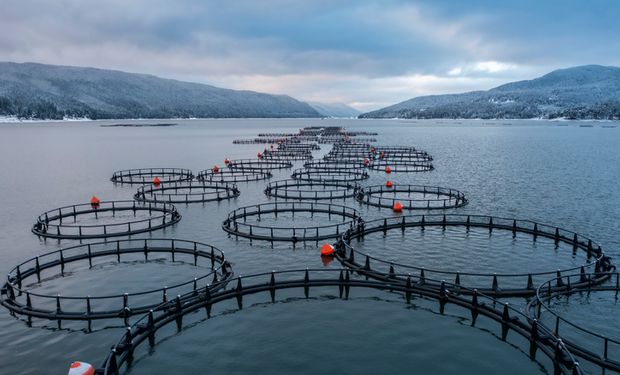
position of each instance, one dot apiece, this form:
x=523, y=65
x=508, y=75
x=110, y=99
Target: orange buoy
x=81, y=368
x=327, y=250
x=216, y=168
x=388, y=169
x=156, y=181
x=388, y=184
x=398, y=207
x=94, y=201
x=366, y=161
x=227, y=161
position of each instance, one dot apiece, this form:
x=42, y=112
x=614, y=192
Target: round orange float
x=398, y=207
x=81, y=368
x=327, y=250
x=94, y=201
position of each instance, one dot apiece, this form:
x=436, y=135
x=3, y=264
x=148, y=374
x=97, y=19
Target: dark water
x=563, y=176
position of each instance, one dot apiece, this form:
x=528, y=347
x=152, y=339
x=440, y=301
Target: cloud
x=358, y=52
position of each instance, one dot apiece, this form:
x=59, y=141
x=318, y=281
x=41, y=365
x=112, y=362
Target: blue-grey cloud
x=367, y=53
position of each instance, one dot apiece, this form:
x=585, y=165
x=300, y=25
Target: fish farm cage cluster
x=338, y=174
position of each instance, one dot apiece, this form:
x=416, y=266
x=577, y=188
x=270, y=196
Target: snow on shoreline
x=14, y=119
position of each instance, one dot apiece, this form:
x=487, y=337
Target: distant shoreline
x=15, y=120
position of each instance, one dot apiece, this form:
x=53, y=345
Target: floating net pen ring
x=259, y=164
x=299, y=146
x=492, y=283
x=411, y=197
x=26, y=302
x=406, y=157
x=233, y=175
x=62, y=223
x=287, y=155
x=401, y=166
x=347, y=155
x=235, y=224
x=563, y=286
x=397, y=149
x=146, y=175
x=334, y=164
x=303, y=190
x=330, y=175
x=187, y=192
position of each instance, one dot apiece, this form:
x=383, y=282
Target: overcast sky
x=367, y=54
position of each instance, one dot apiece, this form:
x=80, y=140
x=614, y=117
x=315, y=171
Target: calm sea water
x=561, y=175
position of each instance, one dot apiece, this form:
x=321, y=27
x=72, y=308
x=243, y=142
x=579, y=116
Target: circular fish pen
x=345, y=159
x=330, y=175
x=259, y=164
x=396, y=149
x=411, y=197
x=105, y=219
x=23, y=300
x=287, y=154
x=299, y=146
x=385, y=265
x=144, y=176
x=401, y=166
x=420, y=156
x=598, y=343
x=237, y=221
x=347, y=155
x=342, y=283
x=310, y=190
x=333, y=164
x=187, y=192
x=229, y=175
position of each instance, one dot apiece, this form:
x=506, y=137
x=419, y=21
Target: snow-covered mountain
x=30, y=90
x=583, y=92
